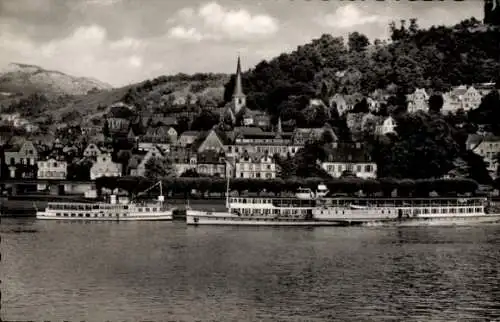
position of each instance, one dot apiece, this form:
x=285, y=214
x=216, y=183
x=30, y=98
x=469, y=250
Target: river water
x=165, y=271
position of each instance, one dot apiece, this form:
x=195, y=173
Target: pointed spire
x=238, y=88
x=278, y=128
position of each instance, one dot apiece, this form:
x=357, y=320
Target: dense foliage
x=437, y=58
x=351, y=186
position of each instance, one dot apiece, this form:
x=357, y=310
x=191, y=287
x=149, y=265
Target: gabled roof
x=474, y=140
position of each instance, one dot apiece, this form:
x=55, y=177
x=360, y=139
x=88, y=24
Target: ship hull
x=167, y=215
x=226, y=219
x=456, y=220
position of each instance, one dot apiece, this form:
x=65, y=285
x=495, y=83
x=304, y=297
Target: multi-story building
x=21, y=160
x=105, y=167
x=254, y=141
x=418, y=100
x=350, y=157
x=52, y=169
x=487, y=146
x=257, y=167
x=471, y=99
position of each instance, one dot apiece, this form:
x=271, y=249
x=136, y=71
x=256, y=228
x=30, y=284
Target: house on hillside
x=487, y=146
x=418, y=100
x=388, y=126
x=471, y=99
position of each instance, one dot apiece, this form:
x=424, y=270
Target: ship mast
x=228, y=204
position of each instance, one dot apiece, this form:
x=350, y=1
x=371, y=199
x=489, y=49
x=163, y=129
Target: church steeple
x=239, y=99
x=279, y=130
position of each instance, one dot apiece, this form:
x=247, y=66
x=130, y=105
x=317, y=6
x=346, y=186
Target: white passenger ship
x=260, y=211
x=352, y=211
x=106, y=211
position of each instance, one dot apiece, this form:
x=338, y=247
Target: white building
x=262, y=167
x=387, y=126
x=52, y=169
x=105, y=167
x=353, y=158
x=418, y=100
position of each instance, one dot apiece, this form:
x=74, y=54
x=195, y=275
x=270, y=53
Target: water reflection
x=163, y=270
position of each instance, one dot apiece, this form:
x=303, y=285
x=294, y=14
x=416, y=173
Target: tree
x=358, y=42
x=105, y=128
x=205, y=121
x=159, y=168
x=436, y=103
x=424, y=148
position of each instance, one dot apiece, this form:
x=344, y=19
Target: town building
x=388, y=126
x=52, y=169
x=105, y=167
x=256, y=167
x=352, y=158
x=21, y=160
x=418, y=101
x=487, y=146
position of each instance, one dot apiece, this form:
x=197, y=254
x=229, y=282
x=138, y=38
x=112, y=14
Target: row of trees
x=384, y=187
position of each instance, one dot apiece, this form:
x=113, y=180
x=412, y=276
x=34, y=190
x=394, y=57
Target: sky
x=127, y=41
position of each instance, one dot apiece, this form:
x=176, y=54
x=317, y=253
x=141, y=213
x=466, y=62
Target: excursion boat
x=109, y=211
x=259, y=211
x=353, y=211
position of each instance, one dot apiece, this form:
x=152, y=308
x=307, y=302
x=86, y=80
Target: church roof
x=238, y=88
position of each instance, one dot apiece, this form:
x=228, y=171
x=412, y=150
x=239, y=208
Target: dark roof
x=347, y=152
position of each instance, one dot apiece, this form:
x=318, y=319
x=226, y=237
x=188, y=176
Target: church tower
x=239, y=99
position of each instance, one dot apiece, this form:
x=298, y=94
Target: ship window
x=124, y=215
x=382, y=211
x=58, y=215
x=469, y=210
x=139, y=209
x=80, y=215
x=452, y=210
x=147, y=209
x=87, y=215
x=461, y=210
x=478, y=209
x=444, y=211
x=65, y=215
x=95, y=215
x=434, y=211
x=154, y=209
x=110, y=215
x=125, y=207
